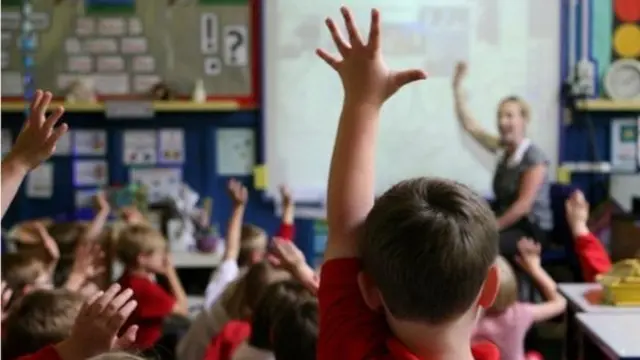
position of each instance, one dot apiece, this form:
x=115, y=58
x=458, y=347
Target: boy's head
x=276, y=299
x=295, y=333
x=253, y=245
x=24, y=273
x=428, y=247
x=142, y=247
x=41, y=318
x=241, y=298
x=507, y=289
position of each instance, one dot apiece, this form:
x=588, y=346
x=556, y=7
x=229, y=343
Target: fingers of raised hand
x=100, y=305
x=352, y=28
x=117, y=319
x=35, y=103
x=52, y=120
x=43, y=105
x=337, y=37
x=374, y=31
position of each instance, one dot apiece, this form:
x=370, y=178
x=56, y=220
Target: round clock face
x=622, y=82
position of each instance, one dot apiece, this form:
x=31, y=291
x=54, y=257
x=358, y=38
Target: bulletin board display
x=124, y=47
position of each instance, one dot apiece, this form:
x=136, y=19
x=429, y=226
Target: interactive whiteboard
x=512, y=48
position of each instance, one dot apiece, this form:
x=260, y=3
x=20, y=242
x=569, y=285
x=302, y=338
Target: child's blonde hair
x=135, y=240
x=41, y=318
x=116, y=356
x=252, y=239
x=21, y=270
x=508, y=287
x=241, y=298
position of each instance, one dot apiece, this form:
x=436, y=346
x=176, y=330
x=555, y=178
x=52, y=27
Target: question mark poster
x=235, y=46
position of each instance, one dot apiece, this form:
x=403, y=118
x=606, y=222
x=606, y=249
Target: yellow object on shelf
x=622, y=283
x=260, y=177
x=608, y=105
x=159, y=106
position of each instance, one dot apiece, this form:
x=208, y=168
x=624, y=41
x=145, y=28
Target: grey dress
x=506, y=185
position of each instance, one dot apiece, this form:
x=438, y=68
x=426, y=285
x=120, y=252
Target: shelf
x=608, y=105
x=158, y=106
x=183, y=260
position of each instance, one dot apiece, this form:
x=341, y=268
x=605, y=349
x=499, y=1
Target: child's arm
x=6, y=294
x=287, y=228
x=50, y=246
x=99, y=221
x=367, y=83
x=35, y=143
x=529, y=259
x=287, y=255
x=592, y=255
x=228, y=269
x=181, y=307
x=87, y=264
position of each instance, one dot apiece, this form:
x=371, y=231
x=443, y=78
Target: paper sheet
x=85, y=198
x=90, y=173
x=160, y=183
x=6, y=141
x=624, y=145
x=40, y=182
x=90, y=142
x=171, y=148
x=235, y=152
x=64, y=146
x=140, y=147
x=260, y=177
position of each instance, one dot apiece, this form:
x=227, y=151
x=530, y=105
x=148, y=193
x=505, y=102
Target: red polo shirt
x=47, y=353
x=154, y=305
x=224, y=344
x=349, y=330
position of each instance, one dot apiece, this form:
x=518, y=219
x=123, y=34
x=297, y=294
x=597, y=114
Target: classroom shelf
x=608, y=105
x=158, y=106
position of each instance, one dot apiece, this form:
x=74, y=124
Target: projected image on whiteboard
x=419, y=131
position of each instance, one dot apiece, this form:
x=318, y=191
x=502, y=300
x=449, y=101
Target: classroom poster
x=624, y=145
x=90, y=173
x=40, y=182
x=171, y=146
x=159, y=183
x=140, y=147
x=235, y=151
x=90, y=142
x=64, y=146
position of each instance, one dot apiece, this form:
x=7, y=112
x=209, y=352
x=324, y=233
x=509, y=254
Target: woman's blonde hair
x=507, y=289
x=525, y=110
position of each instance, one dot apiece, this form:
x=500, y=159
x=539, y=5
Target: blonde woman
x=521, y=180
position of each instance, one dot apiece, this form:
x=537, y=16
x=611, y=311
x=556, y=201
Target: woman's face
x=511, y=124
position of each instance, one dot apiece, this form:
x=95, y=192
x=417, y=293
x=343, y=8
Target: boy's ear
x=27, y=289
x=369, y=292
x=490, y=288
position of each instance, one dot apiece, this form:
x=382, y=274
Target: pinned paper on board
x=85, y=198
x=159, y=183
x=64, y=146
x=6, y=141
x=171, y=147
x=236, y=43
x=235, y=152
x=90, y=173
x=90, y=142
x=624, y=145
x=40, y=182
x=140, y=147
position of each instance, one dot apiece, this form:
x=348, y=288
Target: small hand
x=6, y=296
x=37, y=139
x=459, y=73
x=285, y=254
x=529, y=254
x=102, y=202
x=131, y=215
x=88, y=261
x=167, y=264
x=577, y=209
x=285, y=194
x=237, y=192
x=48, y=243
x=365, y=76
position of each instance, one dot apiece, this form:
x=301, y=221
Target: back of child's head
x=22, y=271
x=41, y=318
x=427, y=246
x=241, y=299
x=67, y=234
x=116, y=355
x=136, y=240
x=253, y=245
x=276, y=298
x=295, y=333
x=507, y=288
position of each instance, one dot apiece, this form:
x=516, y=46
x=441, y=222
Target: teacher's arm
x=530, y=183
x=488, y=141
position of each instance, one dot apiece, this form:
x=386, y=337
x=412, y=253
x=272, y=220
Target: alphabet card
x=236, y=49
x=90, y=173
x=171, y=149
x=90, y=142
x=140, y=147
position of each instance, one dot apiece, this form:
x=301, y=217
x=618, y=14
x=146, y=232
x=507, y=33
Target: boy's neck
x=141, y=272
x=451, y=341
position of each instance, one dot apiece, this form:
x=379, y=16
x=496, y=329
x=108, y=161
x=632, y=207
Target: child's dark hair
x=295, y=334
x=434, y=233
x=278, y=297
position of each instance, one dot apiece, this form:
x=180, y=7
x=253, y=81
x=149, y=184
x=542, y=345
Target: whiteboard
x=512, y=48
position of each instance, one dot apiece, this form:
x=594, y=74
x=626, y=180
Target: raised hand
x=365, y=76
x=237, y=192
x=285, y=254
x=102, y=202
x=6, y=296
x=285, y=195
x=459, y=73
x=577, y=211
x=98, y=324
x=87, y=264
x=529, y=254
x=37, y=139
x=48, y=243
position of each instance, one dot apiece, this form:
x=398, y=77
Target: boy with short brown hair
x=41, y=318
x=405, y=277
x=23, y=273
x=143, y=250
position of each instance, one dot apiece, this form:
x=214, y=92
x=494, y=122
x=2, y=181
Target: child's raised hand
x=48, y=243
x=577, y=210
x=237, y=192
x=529, y=254
x=285, y=194
x=459, y=73
x=97, y=326
x=365, y=76
x=37, y=139
x=6, y=296
x=286, y=254
x=102, y=202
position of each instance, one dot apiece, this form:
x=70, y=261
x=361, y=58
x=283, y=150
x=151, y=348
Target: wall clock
x=622, y=81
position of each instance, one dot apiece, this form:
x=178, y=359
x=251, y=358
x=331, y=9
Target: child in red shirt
x=143, y=251
x=406, y=276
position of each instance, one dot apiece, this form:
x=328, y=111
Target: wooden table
x=614, y=335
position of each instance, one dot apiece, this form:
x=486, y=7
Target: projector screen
x=511, y=47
